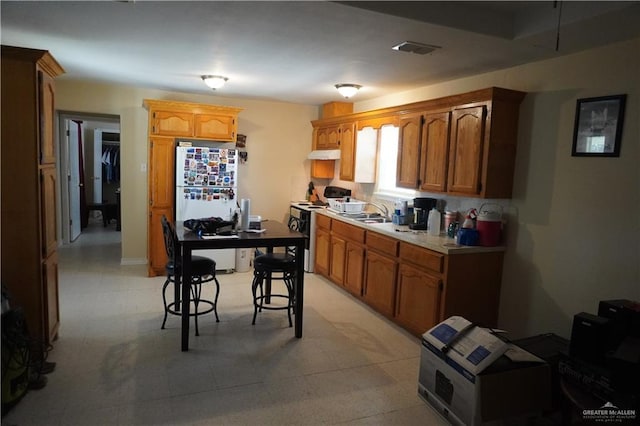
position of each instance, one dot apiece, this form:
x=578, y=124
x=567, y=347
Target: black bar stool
x=203, y=270
x=273, y=266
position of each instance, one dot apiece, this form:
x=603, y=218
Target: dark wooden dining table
x=274, y=234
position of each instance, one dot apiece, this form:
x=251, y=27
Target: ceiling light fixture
x=415, y=47
x=347, y=89
x=214, y=81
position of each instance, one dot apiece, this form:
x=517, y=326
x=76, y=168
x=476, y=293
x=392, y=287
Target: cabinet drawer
x=422, y=257
x=348, y=231
x=382, y=244
x=323, y=221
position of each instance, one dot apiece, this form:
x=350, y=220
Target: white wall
x=278, y=141
x=574, y=234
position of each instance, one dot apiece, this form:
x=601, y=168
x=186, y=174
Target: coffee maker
x=421, y=209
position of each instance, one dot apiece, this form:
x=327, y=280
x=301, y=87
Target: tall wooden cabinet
x=170, y=121
x=29, y=245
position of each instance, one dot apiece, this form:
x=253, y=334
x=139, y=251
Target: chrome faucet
x=382, y=208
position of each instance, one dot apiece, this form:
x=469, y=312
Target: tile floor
x=115, y=366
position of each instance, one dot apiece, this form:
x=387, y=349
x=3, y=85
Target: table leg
x=176, y=292
x=186, y=296
x=299, y=288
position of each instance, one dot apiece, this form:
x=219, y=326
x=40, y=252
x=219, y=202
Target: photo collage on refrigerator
x=209, y=173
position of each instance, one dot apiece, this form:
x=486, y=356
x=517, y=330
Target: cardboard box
x=504, y=389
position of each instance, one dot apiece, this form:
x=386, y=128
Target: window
x=387, y=165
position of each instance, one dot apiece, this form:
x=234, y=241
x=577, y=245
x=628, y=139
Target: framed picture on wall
x=598, y=126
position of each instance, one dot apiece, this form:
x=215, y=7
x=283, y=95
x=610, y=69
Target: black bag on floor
x=15, y=358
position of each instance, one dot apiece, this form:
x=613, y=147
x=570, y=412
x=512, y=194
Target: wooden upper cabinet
x=462, y=144
x=328, y=137
x=358, y=154
x=466, y=149
x=192, y=120
x=348, y=152
x=409, y=151
x=217, y=127
x=434, y=153
x=47, y=108
x=171, y=123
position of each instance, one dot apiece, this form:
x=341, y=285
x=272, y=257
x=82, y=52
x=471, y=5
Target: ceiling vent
x=415, y=47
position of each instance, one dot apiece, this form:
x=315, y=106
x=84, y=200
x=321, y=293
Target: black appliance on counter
x=336, y=192
x=421, y=209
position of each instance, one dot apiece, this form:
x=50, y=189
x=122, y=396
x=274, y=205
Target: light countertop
x=441, y=244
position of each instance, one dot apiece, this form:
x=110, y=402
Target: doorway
x=87, y=169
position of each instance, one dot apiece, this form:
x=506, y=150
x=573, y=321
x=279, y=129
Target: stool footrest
x=259, y=302
x=211, y=306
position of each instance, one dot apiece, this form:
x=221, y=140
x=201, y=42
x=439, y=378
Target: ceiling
x=296, y=51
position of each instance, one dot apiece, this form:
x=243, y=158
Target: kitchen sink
x=366, y=217
x=374, y=219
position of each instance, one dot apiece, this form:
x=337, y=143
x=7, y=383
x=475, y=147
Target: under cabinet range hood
x=324, y=154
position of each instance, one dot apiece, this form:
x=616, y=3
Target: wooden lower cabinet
x=345, y=254
x=417, y=299
x=413, y=286
x=336, y=268
x=354, y=268
x=323, y=250
x=157, y=250
x=380, y=282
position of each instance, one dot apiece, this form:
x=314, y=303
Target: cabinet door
x=380, y=282
x=338, y=250
x=354, y=268
x=328, y=137
x=157, y=251
x=418, y=299
x=161, y=172
x=48, y=212
x=434, y=152
x=217, y=127
x=466, y=150
x=46, y=109
x=323, y=169
x=347, y=152
x=161, y=198
x=50, y=289
x=409, y=152
x=172, y=123
x=323, y=248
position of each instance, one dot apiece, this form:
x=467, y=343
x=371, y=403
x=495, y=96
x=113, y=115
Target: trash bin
x=243, y=259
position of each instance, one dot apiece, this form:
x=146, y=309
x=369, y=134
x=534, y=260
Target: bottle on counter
x=433, y=225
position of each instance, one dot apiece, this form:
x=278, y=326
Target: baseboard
x=133, y=261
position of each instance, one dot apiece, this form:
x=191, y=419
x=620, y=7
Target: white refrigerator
x=206, y=186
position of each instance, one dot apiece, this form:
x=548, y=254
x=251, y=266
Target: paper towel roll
x=245, y=211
